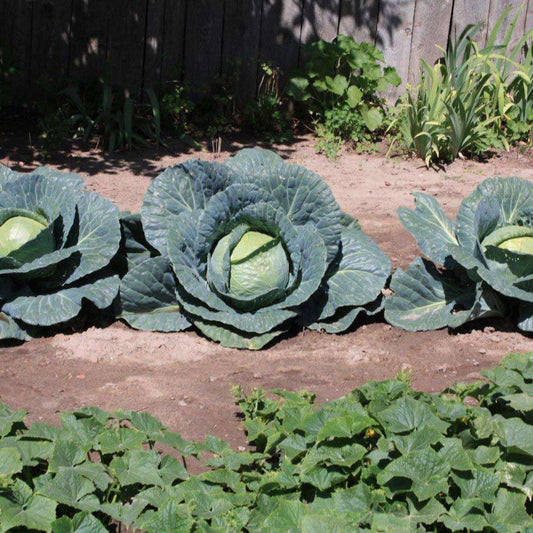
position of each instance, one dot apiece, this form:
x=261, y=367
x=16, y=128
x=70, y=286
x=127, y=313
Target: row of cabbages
x=246, y=250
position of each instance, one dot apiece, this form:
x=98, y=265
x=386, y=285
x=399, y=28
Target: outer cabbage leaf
x=9, y=329
x=525, y=316
x=514, y=197
x=71, y=179
x=133, y=246
x=428, y=224
x=65, y=303
x=97, y=238
x=254, y=162
x=361, y=266
x=345, y=317
x=148, y=298
x=185, y=187
x=425, y=299
x=238, y=339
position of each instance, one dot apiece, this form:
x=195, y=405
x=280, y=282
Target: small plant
x=101, y=111
x=340, y=90
x=215, y=104
x=267, y=116
x=177, y=109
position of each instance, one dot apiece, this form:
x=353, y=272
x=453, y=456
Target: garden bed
x=185, y=379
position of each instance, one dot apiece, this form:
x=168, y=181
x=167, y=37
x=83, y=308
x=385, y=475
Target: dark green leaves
x=384, y=458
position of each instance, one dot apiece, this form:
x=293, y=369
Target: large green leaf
x=134, y=247
x=509, y=512
x=345, y=317
x=514, y=196
x=185, y=187
x=428, y=224
x=64, y=304
x=45, y=266
x=97, y=237
x=231, y=338
x=70, y=179
x=148, y=299
x=6, y=175
x=10, y=461
x=9, y=329
x=20, y=507
x=79, y=523
x=254, y=162
x=427, y=471
x=71, y=488
x=358, y=275
x=426, y=299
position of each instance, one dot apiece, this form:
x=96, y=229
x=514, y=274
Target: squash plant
x=340, y=88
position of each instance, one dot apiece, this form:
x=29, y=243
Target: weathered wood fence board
x=428, y=31
x=466, y=12
x=50, y=39
x=88, y=42
x=281, y=26
x=394, y=35
x=149, y=42
x=172, y=42
x=359, y=19
x=319, y=23
x=203, y=41
x=242, y=24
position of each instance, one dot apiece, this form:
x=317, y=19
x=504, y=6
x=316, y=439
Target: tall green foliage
x=472, y=100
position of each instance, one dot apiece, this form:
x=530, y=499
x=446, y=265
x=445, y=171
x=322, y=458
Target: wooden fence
x=149, y=42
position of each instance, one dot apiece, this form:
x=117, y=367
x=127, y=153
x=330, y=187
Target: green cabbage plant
x=56, y=244
x=484, y=260
x=247, y=249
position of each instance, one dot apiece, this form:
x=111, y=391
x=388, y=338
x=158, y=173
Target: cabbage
x=248, y=250
x=487, y=257
x=57, y=241
x=18, y=231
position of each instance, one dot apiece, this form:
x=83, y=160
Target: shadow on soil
x=18, y=130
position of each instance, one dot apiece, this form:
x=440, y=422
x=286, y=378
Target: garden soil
x=186, y=380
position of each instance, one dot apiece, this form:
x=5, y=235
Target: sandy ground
x=185, y=379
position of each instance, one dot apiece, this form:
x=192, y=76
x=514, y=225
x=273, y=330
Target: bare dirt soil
x=185, y=379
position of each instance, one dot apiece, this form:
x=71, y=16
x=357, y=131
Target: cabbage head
x=248, y=249
x=56, y=244
x=485, y=260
